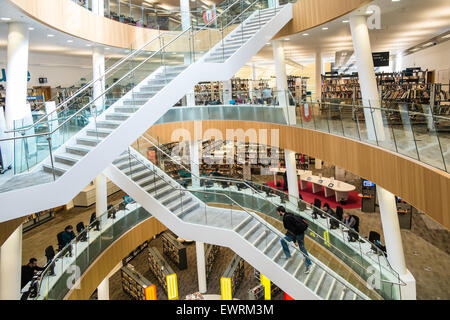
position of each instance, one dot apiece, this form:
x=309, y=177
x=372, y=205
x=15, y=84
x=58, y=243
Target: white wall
x=60, y=70
x=436, y=58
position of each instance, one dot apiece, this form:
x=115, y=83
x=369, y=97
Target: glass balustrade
x=70, y=263
x=121, y=82
x=363, y=257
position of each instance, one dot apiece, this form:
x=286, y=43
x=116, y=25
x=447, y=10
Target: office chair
x=284, y=197
x=301, y=204
x=338, y=216
x=82, y=234
x=122, y=206
x=375, y=240
x=352, y=233
x=111, y=212
x=50, y=255
x=225, y=184
x=94, y=222
x=60, y=241
x=317, y=204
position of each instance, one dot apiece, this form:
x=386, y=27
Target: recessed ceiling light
x=69, y=41
x=324, y=28
x=428, y=44
x=395, y=0
x=31, y=28
x=369, y=11
x=107, y=48
x=345, y=21
x=305, y=34
x=50, y=35
x=268, y=43
x=5, y=19
x=89, y=45
x=287, y=39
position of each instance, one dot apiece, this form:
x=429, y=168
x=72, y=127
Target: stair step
x=127, y=109
x=182, y=212
x=147, y=180
x=101, y=133
x=85, y=141
x=76, y=150
x=270, y=245
x=134, y=102
x=117, y=116
x=143, y=95
x=241, y=225
x=60, y=168
x=250, y=234
x=181, y=204
x=260, y=238
x=108, y=124
x=309, y=276
x=134, y=169
x=330, y=291
x=319, y=283
x=67, y=158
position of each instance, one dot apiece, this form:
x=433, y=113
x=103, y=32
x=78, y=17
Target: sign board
x=380, y=59
x=172, y=287
x=225, y=289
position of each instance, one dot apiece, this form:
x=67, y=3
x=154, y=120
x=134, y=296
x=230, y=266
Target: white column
x=101, y=194
x=201, y=266
x=291, y=172
x=186, y=24
x=103, y=290
x=367, y=80
x=194, y=149
x=318, y=75
x=227, y=91
x=282, y=87
x=10, y=266
x=98, y=70
x=253, y=78
x=16, y=107
x=98, y=7
x=393, y=241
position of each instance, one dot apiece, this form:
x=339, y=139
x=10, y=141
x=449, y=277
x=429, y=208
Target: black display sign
x=380, y=59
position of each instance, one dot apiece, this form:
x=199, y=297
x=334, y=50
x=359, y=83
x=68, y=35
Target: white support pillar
x=194, y=149
x=98, y=7
x=98, y=70
x=227, y=91
x=282, y=86
x=101, y=194
x=367, y=80
x=201, y=266
x=393, y=241
x=291, y=173
x=10, y=266
x=186, y=24
x=16, y=107
x=318, y=75
x=103, y=289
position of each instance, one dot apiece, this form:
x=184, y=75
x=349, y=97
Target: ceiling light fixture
x=446, y=36
x=31, y=28
x=287, y=39
x=5, y=19
x=50, y=35
x=69, y=41
x=89, y=45
x=305, y=34
x=345, y=21
x=324, y=28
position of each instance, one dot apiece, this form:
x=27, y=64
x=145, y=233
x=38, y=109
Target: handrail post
x=49, y=139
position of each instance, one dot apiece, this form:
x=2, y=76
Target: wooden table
x=338, y=188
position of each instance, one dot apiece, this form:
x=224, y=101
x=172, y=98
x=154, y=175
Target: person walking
x=296, y=227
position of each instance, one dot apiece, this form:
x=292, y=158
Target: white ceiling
x=404, y=24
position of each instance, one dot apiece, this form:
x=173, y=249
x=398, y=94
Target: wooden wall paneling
x=311, y=13
x=423, y=186
x=103, y=265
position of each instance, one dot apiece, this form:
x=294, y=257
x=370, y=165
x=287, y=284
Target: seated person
x=28, y=271
x=348, y=221
x=68, y=235
x=215, y=173
x=326, y=208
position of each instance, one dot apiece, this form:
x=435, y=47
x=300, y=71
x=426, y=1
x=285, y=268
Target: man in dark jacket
x=68, y=235
x=293, y=235
x=28, y=271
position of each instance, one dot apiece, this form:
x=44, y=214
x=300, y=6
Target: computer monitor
x=368, y=184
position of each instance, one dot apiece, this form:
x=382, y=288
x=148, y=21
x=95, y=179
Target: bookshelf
x=159, y=266
x=133, y=283
x=174, y=250
x=211, y=254
x=235, y=271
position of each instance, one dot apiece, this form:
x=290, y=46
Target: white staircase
x=244, y=232
x=89, y=151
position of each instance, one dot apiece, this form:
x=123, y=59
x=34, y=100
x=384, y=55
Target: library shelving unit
x=298, y=87
x=211, y=254
x=174, y=250
x=159, y=266
x=235, y=271
x=133, y=283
